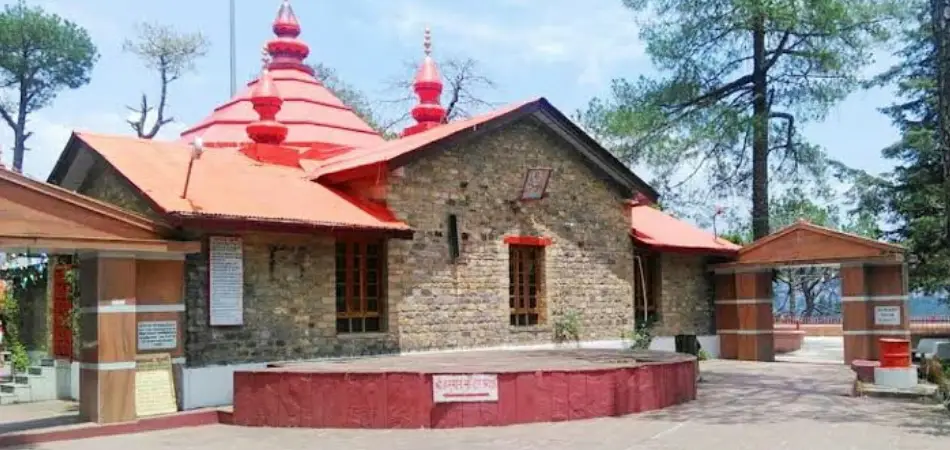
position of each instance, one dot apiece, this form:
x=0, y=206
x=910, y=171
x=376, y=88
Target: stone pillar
x=874, y=305
x=744, y=316
x=107, y=338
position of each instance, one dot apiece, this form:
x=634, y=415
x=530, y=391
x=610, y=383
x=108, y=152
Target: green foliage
x=641, y=336
x=10, y=312
x=567, y=327
x=694, y=126
x=40, y=54
x=703, y=355
x=910, y=198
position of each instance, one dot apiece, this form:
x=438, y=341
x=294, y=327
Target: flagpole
x=233, y=51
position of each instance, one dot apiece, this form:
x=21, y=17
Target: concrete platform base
x=922, y=392
x=896, y=377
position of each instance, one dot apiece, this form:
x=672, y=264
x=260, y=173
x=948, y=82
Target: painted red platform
x=397, y=391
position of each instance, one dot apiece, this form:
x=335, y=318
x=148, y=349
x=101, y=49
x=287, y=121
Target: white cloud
x=592, y=37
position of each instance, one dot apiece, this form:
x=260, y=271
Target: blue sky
x=561, y=51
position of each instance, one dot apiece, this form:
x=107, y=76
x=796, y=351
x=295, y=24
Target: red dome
x=312, y=114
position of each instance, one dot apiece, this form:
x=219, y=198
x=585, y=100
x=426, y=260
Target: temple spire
x=429, y=112
x=286, y=50
x=267, y=104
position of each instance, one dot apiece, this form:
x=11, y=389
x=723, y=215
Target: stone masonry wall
x=686, y=296
x=439, y=303
x=289, y=304
x=104, y=183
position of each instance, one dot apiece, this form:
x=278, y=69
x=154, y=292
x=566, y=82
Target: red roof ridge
x=389, y=149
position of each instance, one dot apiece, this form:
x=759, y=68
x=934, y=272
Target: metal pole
x=233, y=51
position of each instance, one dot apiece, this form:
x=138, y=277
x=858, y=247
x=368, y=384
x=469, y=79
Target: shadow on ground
x=759, y=393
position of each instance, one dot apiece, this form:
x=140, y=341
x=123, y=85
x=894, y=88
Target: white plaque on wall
x=465, y=388
x=227, y=281
x=887, y=315
x=158, y=335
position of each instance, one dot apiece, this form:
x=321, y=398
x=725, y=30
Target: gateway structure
x=322, y=239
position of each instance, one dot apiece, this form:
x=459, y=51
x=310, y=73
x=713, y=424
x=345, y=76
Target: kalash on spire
x=429, y=112
x=317, y=121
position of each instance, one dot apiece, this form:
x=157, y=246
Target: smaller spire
x=429, y=112
x=267, y=103
x=286, y=49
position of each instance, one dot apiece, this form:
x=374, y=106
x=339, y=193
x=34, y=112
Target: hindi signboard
x=887, y=315
x=154, y=385
x=158, y=335
x=227, y=280
x=465, y=388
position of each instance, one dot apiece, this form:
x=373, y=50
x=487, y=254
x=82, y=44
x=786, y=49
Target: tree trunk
x=760, y=133
x=19, y=148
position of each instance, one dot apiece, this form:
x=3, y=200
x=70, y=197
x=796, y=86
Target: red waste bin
x=894, y=352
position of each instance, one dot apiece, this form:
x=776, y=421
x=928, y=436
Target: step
x=41, y=370
x=42, y=387
x=21, y=391
x=47, y=362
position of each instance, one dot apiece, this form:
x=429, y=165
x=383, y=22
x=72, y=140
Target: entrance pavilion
x=128, y=274
x=873, y=290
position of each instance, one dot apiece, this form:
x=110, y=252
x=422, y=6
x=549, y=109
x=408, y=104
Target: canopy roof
x=660, y=231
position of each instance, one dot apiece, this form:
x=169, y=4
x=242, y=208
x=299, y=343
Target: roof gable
x=805, y=243
x=399, y=152
x=227, y=186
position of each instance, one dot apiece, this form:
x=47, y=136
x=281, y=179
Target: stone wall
x=439, y=303
x=104, y=183
x=289, y=306
x=686, y=296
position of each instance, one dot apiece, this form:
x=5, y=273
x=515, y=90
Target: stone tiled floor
x=741, y=406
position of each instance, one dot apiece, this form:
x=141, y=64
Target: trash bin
x=687, y=343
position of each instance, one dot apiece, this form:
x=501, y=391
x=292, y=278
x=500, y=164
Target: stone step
x=47, y=362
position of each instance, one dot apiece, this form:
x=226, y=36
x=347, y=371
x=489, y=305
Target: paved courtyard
x=741, y=406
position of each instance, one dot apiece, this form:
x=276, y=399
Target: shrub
x=642, y=336
x=567, y=327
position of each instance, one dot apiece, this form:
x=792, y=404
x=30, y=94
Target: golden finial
x=427, y=43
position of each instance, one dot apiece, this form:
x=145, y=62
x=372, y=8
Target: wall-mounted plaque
x=887, y=315
x=535, y=184
x=465, y=388
x=227, y=280
x=158, y=335
x=154, y=385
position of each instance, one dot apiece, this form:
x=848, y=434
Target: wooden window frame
x=356, y=296
x=521, y=313
x=650, y=262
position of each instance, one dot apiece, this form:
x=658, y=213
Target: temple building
x=320, y=238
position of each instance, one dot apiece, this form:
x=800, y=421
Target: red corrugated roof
x=225, y=183
x=358, y=158
x=313, y=114
x=654, y=228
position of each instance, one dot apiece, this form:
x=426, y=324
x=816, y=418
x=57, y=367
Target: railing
x=836, y=320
